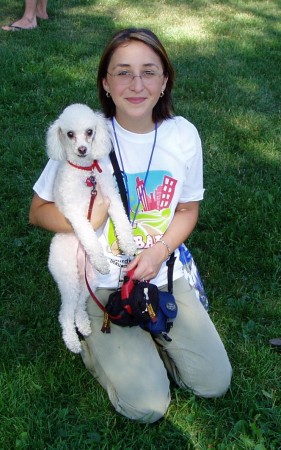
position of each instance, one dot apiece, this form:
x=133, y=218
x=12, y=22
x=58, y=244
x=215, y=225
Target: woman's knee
x=140, y=392
x=216, y=382
x=147, y=409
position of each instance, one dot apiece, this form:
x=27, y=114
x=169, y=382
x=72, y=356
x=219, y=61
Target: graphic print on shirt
x=150, y=212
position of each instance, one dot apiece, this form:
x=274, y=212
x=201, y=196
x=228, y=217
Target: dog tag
x=91, y=181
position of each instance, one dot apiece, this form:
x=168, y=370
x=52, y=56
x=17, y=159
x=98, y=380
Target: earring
x=107, y=94
x=162, y=94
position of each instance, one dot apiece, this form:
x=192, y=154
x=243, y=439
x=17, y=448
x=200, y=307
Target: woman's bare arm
x=147, y=264
x=45, y=214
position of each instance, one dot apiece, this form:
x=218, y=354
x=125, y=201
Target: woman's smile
x=136, y=100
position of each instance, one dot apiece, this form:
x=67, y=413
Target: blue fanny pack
x=166, y=314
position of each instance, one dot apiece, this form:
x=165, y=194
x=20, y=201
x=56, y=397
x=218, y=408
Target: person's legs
x=41, y=9
x=127, y=364
x=29, y=19
x=196, y=357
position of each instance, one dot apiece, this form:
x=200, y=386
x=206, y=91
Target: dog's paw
x=132, y=249
x=128, y=247
x=83, y=324
x=72, y=342
x=85, y=329
x=100, y=264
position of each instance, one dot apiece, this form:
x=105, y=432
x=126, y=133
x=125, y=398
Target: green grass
x=227, y=59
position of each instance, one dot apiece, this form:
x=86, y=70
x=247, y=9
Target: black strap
x=118, y=175
x=170, y=264
x=120, y=181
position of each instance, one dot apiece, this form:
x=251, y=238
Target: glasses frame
x=127, y=81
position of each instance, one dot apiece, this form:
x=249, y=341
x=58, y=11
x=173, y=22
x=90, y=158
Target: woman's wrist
x=166, y=246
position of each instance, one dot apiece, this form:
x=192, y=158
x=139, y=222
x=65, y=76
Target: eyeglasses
x=126, y=77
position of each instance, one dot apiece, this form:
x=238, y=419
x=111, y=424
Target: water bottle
x=192, y=275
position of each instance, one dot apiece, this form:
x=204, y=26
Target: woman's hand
x=148, y=263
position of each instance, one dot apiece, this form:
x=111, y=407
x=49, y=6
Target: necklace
x=124, y=173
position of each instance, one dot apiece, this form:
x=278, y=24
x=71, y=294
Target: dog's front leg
x=89, y=241
x=116, y=211
x=123, y=228
x=72, y=198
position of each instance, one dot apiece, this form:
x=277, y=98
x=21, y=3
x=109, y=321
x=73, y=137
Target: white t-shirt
x=175, y=175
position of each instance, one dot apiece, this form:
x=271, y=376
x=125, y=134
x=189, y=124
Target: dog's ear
x=102, y=141
x=55, y=148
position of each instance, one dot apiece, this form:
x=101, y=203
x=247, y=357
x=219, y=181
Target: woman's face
x=136, y=97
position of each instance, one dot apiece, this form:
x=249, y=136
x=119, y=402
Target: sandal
x=12, y=27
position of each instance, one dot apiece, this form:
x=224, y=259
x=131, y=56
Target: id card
x=123, y=270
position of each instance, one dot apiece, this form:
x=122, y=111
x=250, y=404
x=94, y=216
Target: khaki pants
x=132, y=367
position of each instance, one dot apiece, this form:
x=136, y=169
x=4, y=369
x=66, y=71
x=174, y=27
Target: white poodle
x=80, y=138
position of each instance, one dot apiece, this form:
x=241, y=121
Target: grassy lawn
x=227, y=60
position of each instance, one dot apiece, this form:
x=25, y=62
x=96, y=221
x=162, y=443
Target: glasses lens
x=125, y=77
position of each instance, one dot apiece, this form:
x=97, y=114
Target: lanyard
x=124, y=173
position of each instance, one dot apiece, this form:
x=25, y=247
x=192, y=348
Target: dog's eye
x=70, y=134
x=89, y=132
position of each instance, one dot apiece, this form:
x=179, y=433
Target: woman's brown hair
x=164, y=107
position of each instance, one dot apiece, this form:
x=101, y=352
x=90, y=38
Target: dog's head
x=79, y=135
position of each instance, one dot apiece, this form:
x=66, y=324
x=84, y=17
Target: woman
x=161, y=159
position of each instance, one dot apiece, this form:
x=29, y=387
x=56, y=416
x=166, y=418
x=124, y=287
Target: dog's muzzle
x=82, y=150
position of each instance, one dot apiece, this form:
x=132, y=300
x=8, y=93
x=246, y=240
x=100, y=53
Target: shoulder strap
x=119, y=179
x=170, y=264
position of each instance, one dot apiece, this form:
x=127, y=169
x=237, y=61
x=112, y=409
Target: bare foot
x=42, y=15
x=21, y=24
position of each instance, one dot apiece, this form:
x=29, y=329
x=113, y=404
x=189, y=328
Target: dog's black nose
x=82, y=150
